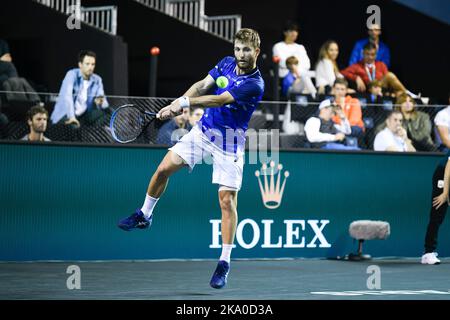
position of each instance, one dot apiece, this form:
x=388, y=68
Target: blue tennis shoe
x=136, y=220
x=219, y=278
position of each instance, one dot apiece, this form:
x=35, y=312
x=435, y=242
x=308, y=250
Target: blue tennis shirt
x=247, y=90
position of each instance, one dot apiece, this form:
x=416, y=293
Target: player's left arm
x=200, y=87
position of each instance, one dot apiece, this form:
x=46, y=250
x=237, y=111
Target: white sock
x=226, y=252
x=149, y=204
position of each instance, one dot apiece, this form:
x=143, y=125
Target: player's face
x=39, y=123
x=245, y=55
x=333, y=51
x=87, y=66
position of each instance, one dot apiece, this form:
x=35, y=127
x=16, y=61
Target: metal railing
x=223, y=26
x=103, y=18
x=193, y=13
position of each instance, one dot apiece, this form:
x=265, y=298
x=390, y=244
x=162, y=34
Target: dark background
x=44, y=49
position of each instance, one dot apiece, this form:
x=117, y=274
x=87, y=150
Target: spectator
x=442, y=123
x=366, y=70
x=394, y=137
x=416, y=123
x=37, y=121
x=288, y=48
x=81, y=97
x=195, y=116
x=327, y=70
x=294, y=82
x=350, y=107
x=323, y=133
x=375, y=92
x=7, y=68
x=383, y=53
x=174, y=129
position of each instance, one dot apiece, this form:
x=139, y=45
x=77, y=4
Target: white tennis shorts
x=195, y=147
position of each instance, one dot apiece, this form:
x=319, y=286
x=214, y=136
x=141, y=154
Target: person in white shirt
x=442, y=123
x=394, y=136
x=289, y=48
x=323, y=133
x=327, y=70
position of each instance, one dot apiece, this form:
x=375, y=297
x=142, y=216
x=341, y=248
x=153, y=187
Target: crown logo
x=271, y=193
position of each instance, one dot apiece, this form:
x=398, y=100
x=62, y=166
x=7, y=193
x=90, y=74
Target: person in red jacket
x=368, y=70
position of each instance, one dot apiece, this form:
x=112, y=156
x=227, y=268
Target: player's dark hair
x=84, y=53
x=248, y=36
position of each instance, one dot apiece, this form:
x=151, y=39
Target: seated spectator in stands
x=375, y=92
x=327, y=70
x=350, y=107
x=81, y=97
x=383, y=53
x=416, y=123
x=366, y=70
x=442, y=123
x=288, y=48
x=394, y=137
x=7, y=68
x=374, y=112
x=195, y=116
x=323, y=133
x=294, y=82
x=174, y=129
x=37, y=118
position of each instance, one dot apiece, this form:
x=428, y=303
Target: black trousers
x=436, y=215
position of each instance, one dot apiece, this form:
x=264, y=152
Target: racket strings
x=127, y=124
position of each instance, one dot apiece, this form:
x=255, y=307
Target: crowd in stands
x=356, y=103
x=351, y=110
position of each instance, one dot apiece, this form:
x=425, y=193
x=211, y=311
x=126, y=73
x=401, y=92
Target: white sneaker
x=430, y=258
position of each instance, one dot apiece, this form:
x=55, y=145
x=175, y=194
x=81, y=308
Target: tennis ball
x=222, y=82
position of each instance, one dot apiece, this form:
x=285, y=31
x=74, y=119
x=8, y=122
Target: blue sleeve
x=356, y=53
x=66, y=94
x=101, y=93
x=248, y=93
x=217, y=70
x=287, y=83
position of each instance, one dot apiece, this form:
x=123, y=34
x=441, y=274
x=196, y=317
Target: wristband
x=184, y=102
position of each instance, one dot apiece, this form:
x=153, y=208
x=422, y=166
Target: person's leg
x=227, y=172
x=228, y=206
x=436, y=215
x=142, y=218
x=391, y=81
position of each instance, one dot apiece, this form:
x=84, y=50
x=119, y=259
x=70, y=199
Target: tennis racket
x=128, y=122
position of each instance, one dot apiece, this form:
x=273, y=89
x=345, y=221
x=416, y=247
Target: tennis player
x=219, y=133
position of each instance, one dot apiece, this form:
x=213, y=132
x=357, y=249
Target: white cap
x=324, y=104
